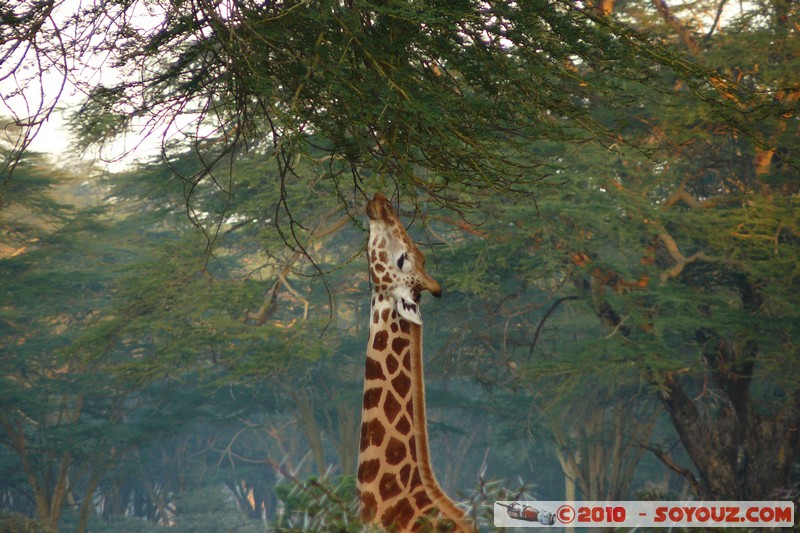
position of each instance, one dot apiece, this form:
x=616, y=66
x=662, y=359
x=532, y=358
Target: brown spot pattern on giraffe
x=416, y=480
x=368, y=506
x=391, y=407
x=402, y=384
x=405, y=473
x=399, y=344
x=395, y=451
x=372, y=397
x=391, y=364
x=372, y=433
x=381, y=341
x=399, y=514
x=421, y=498
x=403, y=426
x=388, y=486
x=368, y=470
x=373, y=370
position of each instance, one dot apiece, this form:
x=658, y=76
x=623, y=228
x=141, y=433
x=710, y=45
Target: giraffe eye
x=401, y=261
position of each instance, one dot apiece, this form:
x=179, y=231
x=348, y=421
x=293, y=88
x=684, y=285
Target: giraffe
x=396, y=485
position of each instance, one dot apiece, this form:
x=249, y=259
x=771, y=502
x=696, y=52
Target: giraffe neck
x=396, y=483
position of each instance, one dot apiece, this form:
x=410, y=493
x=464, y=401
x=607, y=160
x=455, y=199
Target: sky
x=53, y=136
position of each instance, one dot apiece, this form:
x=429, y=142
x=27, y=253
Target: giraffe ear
x=409, y=310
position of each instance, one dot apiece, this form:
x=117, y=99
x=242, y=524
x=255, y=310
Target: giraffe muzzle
x=433, y=286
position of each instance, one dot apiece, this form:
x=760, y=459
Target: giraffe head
x=395, y=263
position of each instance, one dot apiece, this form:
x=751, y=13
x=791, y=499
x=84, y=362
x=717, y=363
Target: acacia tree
x=724, y=235
x=435, y=98
x=112, y=349
x=685, y=260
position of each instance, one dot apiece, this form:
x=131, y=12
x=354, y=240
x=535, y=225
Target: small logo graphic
x=530, y=514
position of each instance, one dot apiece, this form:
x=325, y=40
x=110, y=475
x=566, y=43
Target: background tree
x=716, y=191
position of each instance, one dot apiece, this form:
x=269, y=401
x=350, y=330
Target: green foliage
x=14, y=523
x=442, y=97
x=319, y=505
x=209, y=509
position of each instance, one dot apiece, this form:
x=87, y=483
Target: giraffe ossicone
x=396, y=485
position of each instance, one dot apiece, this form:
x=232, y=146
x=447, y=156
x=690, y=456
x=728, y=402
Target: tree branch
x=544, y=318
x=690, y=201
x=670, y=463
x=270, y=305
x=720, y=8
x=673, y=22
x=680, y=260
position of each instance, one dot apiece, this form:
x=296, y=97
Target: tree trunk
x=603, y=450
x=86, y=504
x=304, y=410
x=739, y=453
x=569, y=493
